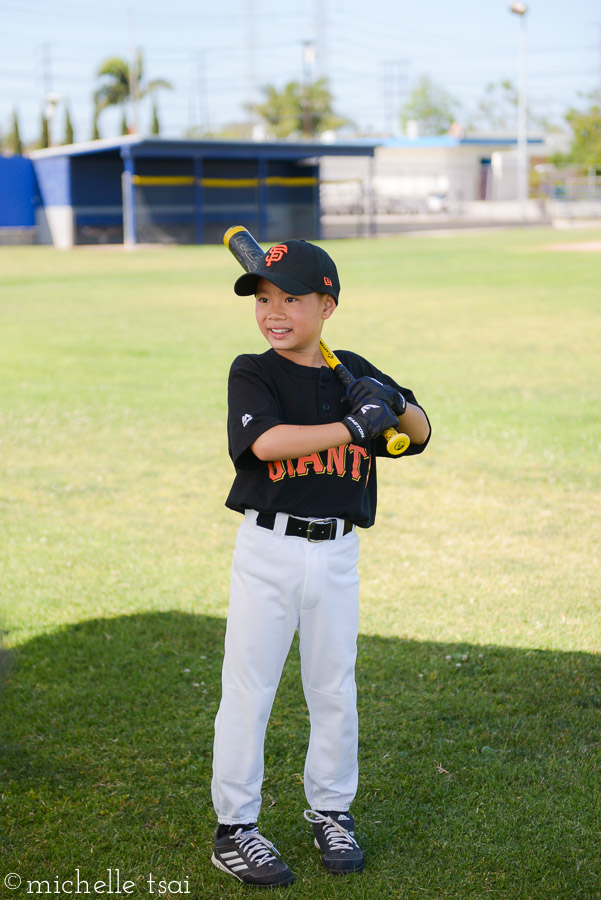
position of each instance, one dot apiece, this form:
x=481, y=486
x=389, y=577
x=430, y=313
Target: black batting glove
x=369, y=420
x=365, y=390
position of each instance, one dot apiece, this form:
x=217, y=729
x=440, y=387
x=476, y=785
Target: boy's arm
x=414, y=424
x=292, y=441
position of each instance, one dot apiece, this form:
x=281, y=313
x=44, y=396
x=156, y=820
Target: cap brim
x=247, y=284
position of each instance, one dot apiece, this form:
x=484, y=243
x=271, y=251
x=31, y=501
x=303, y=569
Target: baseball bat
x=242, y=245
x=240, y=242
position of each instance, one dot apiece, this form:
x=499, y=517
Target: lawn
x=479, y=673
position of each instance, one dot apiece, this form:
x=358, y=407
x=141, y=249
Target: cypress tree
x=14, y=139
x=68, y=128
x=155, y=127
x=45, y=133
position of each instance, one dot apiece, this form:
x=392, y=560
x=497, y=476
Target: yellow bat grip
x=396, y=441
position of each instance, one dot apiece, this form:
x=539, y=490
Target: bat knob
x=397, y=443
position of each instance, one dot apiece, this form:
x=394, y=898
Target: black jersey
x=267, y=389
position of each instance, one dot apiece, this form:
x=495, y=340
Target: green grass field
x=479, y=673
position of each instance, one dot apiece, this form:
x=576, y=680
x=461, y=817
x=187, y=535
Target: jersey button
x=326, y=406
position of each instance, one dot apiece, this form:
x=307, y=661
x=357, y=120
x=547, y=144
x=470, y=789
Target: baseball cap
x=296, y=267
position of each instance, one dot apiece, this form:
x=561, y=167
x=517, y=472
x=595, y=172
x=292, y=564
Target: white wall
x=406, y=179
x=55, y=226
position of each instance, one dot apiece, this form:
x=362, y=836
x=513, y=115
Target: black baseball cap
x=296, y=267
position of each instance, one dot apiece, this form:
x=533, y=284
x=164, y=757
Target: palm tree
x=122, y=84
x=298, y=109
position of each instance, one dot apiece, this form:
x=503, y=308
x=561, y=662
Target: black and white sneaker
x=335, y=837
x=250, y=858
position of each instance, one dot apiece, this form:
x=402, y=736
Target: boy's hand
x=369, y=420
x=365, y=390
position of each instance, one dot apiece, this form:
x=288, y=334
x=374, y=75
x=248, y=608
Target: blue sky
x=217, y=56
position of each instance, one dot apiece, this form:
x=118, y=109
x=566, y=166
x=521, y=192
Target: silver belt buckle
x=312, y=540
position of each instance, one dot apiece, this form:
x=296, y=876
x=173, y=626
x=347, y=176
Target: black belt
x=314, y=531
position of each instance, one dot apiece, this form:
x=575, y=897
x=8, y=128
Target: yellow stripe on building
x=229, y=182
x=235, y=183
x=163, y=180
x=298, y=181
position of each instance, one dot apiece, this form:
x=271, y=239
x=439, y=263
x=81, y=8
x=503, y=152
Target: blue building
x=141, y=190
x=19, y=200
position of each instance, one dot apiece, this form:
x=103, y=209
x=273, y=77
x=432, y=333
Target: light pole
x=520, y=9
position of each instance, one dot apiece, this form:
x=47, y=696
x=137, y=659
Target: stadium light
x=520, y=9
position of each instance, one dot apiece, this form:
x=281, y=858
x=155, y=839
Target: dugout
x=18, y=200
x=154, y=190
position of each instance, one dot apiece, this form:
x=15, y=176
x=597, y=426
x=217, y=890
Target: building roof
x=448, y=140
x=132, y=145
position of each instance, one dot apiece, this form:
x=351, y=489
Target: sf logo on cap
x=275, y=254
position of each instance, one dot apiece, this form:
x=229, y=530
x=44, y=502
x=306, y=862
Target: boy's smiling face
x=292, y=324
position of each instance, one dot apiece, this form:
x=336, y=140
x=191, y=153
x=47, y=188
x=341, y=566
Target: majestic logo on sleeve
x=246, y=418
x=275, y=254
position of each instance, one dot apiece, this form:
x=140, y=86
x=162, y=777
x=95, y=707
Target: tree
x=431, y=106
x=497, y=110
x=13, y=142
x=44, y=133
x=298, y=109
x=119, y=83
x=69, y=134
x=585, y=151
x=155, y=127
x=95, y=129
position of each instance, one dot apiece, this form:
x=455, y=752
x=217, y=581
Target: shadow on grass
x=479, y=765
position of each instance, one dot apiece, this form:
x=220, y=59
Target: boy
x=304, y=454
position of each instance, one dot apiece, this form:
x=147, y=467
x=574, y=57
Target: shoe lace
x=257, y=848
x=337, y=837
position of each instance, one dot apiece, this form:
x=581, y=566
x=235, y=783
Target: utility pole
x=599, y=86
x=320, y=38
x=51, y=99
x=134, y=88
x=308, y=67
x=201, y=86
x=394, y=88
x=251, y=68
x=47, y=67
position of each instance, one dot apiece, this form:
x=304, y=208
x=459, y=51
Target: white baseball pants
x=281, y=584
